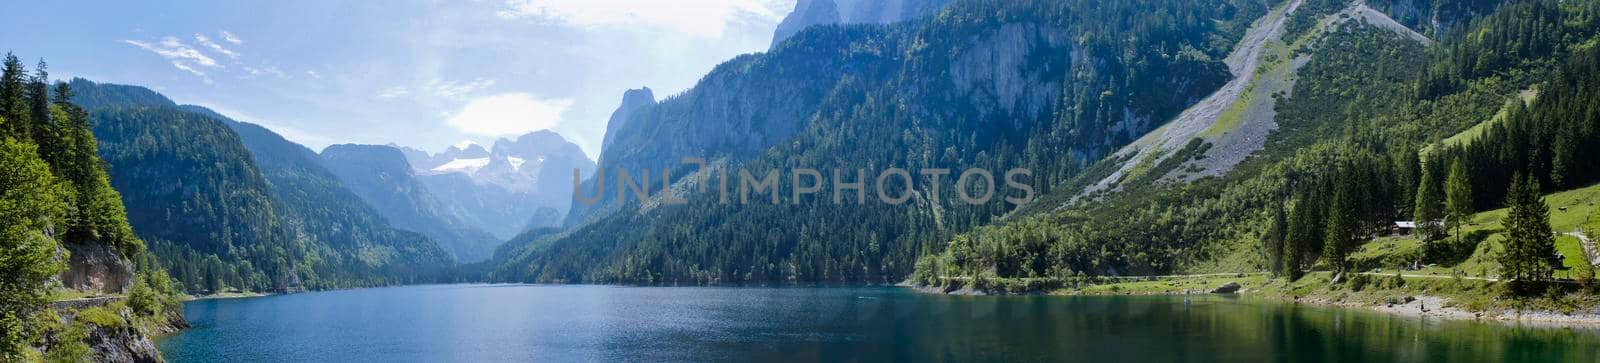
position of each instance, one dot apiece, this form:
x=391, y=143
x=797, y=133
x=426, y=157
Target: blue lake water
x=496, y=323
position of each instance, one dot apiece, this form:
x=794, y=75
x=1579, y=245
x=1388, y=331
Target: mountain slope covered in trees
x=231, y=205
x=1046, y=85
x=1360, y=145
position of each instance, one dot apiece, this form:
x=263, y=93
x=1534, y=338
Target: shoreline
x=223, y=296
x=1434, y=307
x=1418, y=304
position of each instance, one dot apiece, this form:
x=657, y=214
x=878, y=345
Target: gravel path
x=1588, y=247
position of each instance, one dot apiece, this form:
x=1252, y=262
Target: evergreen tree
x=13, y=99
x=1529, y=243
x=1273, y=241
x=1344, y=232
x=1429, y=207
x=1565, y=158
x=1303, y=235
x=38, y=98
x=1458, y=197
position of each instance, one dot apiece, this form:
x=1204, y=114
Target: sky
x=426, y=74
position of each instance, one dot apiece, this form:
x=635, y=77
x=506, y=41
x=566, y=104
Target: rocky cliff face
x=125, y=337
x=822, y=12
x=632, y=99
x=97, y=267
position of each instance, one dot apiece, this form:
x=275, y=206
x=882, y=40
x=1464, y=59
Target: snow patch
x=468, y=166
x=516, y=162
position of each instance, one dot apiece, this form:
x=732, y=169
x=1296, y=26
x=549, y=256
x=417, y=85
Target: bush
x=101, y=316
x=69, y=345
x=1359, y=281
x=143, y=299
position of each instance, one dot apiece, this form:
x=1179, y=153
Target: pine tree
x=1429, y=207
x=1303, y=235
x=1458, y=197
x=1564, y=158
x=13, y=99
x=1529, y=242
x=1273, y=241
x=1344, y=231
x=38, y=98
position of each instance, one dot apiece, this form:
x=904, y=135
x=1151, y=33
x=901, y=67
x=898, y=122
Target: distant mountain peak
x=632, y=100
x=824, y=12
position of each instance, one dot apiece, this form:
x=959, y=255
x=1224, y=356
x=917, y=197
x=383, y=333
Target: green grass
x=1569, y=247
x=1485, y=231
x=70, y=294
x=103, y=316
x=1473, y=133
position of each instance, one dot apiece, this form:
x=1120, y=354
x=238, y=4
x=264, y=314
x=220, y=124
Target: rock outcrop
x=1228, y=288
x=97, y=267
x=122, y=339
x=632, y=100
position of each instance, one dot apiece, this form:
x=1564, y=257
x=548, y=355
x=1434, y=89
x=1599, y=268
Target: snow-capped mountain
x=513, y=185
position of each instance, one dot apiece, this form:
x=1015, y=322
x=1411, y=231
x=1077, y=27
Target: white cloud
x=229, y=37
x=313, y=74
x=452, y=88
x=183, y=56
x=706, y=18
x=273, y=71
x=203, y=40
x=185, y=67
x=509, y=114
x=441, y=89
x=394, y=92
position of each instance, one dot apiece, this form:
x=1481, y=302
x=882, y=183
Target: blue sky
x=419, y=73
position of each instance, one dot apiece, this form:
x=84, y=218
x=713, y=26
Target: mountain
x=808, y=13
x=1376, y=120
x=1045, y=85
x=632, y=100
x=513, y=186
x=231, y=204
x=383, y=178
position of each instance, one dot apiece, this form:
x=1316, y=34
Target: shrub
x=100, y=316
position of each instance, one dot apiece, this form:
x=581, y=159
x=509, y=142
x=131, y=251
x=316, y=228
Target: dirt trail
x=1588, y=246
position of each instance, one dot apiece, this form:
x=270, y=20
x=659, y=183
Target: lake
x=650, y=324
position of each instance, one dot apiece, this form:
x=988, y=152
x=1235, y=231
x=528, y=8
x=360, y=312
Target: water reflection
x=565, y=323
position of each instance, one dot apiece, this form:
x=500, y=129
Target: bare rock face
x=97, y=267
x=122, y=344
x=633, y=99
